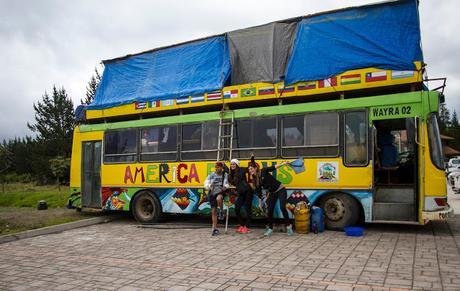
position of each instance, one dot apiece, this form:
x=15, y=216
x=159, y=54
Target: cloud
x=46, y=43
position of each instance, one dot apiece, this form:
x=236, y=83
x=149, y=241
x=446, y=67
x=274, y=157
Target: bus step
x=395, y=194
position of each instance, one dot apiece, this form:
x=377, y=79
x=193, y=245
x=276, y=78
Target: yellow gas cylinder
x=302, y=217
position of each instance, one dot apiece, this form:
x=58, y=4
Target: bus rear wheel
x=340, y=210
x=146, y=207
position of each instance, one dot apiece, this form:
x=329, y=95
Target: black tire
x=146, y=207
x=340, y=210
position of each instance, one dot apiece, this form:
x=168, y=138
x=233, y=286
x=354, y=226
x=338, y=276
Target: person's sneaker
x=245, y=230
x=215, y=232
x=268, y=232
x=289, y=230
x=238, y=229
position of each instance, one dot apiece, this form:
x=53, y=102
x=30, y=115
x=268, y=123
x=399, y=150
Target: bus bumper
x=448, y=212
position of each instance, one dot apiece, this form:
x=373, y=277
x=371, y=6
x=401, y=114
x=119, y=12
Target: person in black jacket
x=263, y=179
x=237, y=178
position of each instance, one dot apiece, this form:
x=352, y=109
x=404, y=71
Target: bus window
x=191, y=137
x=120, y=146
x=434, y=138
x=293, y=130
x=257, y=136
x=159, y=144
x=311, y=135
x=322, y=129
x=210, y=132
x=199, y=141
x=355, y=139
x=243, y=136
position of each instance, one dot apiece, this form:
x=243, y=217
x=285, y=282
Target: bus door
x=395, y=170
x=91, y=177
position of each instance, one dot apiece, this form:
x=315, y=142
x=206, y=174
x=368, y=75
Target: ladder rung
x=226, y=123
x=225, y=136
x=224, y=149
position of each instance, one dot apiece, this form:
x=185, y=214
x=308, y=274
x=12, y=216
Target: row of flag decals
x=401, y=74
x=267, y=90
x=350, y=79
x=214, y=96
x=343, y=80
x=329, y=82
x=231, y=94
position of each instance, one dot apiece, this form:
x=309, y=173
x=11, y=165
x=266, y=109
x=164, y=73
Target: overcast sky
x=46, y=43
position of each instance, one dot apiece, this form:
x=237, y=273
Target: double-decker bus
x=369, y=136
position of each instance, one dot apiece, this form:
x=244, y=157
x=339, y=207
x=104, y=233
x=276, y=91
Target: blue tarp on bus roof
x=182, y=70
x=385, y=36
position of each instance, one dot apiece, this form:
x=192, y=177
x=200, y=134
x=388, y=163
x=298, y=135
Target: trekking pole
x=228, y=210
x=226, y=217
x=228, y=207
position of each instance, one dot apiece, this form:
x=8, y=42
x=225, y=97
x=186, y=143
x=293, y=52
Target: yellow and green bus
x=368, y=133
x=377, y=158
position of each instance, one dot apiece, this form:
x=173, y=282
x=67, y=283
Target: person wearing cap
x=261, y=178
x=216, y=183
x=237, y=178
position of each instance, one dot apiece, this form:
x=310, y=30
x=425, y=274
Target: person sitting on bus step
x=216, y=183
x=263, y=179
x=237, y=178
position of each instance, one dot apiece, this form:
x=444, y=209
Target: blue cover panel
x=385, y=36
x=183, y=70
x=80, y=113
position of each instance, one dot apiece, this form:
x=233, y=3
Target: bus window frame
x=337, y=145
x=140, y=153
x=367, y=146
x=275, y=147
x=136, y=154
x=201, y=144
x=429, y=124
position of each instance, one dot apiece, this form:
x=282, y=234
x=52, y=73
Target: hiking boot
x=268, y=232
x=215, y=232
x=289, y=230
x=244, y=229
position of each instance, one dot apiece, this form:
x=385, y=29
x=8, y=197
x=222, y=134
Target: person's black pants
x=244, y=199
x=271, y=202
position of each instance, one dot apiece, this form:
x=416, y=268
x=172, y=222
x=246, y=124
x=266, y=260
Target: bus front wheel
x=340, y=210
x=146, y=207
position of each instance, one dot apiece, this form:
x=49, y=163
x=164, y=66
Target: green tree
x=60, y=167
x=91, y=88
x=454, y=131
x=55, y=119
x=454, y=120
x=5, y=163
x=444, y=118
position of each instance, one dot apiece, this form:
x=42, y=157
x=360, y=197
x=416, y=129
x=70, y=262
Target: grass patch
x=16, y=219
x=18, y=207
x=28, y=195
